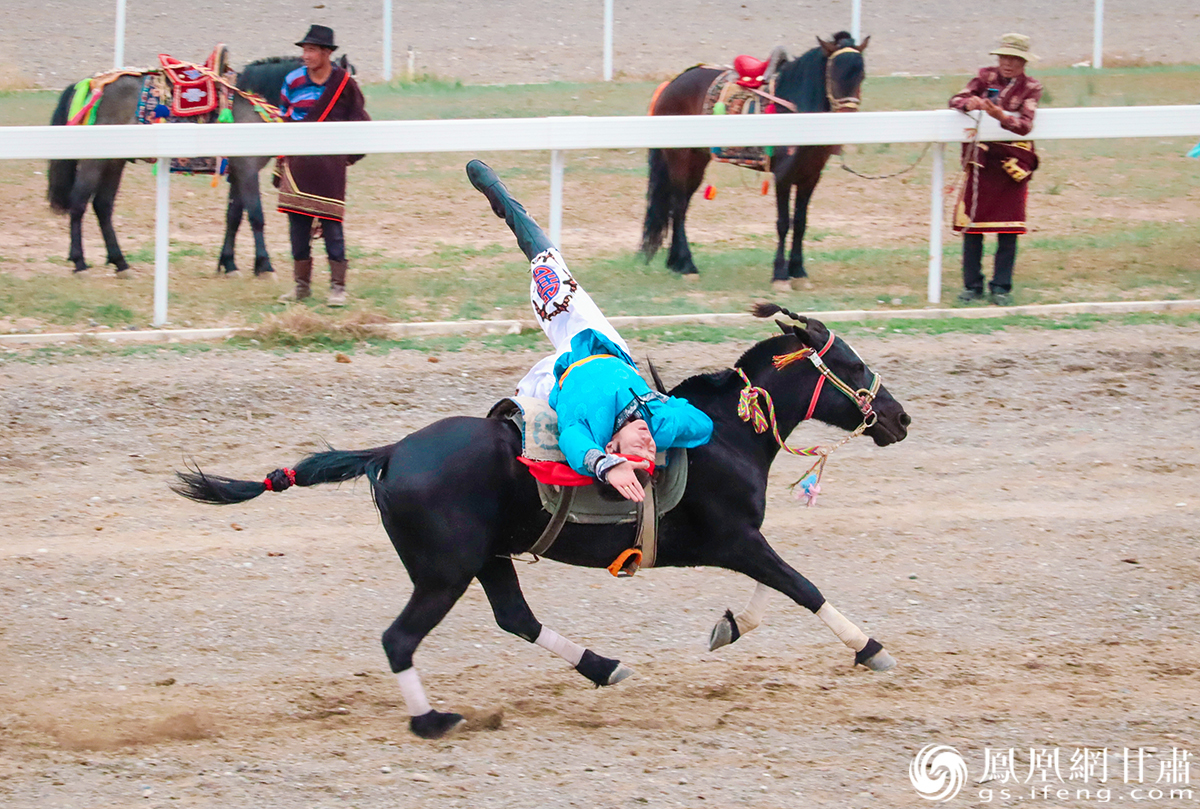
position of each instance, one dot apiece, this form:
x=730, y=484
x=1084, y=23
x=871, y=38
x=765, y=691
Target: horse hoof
x=875, y=657
x=81, y=267
x=691, y=277
x=782, y=287
x=802, y=283
x=123, y=274
x=232, y=273
x=724, y=632
x=435, y=724
x=620, y=673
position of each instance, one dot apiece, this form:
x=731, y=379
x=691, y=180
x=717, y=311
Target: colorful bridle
x=750, y=409
x=836, y=104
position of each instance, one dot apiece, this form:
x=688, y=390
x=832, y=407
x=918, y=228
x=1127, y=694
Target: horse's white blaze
x=752, y=614
x=413, y=692
x=568, y=650
x=847, y=632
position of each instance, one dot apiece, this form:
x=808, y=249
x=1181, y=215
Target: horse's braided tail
x=764, y=309
x=658, y=204
x=61, y=174
x=333, y=466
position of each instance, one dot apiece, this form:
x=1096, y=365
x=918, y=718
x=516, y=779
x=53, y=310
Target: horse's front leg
x=233, y=220
x=759, y=561
x=513, y=614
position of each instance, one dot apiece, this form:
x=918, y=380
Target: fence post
x=855, y=18
x=119, y=40
x=162, y=239
x=557, y=164
x=1098, y=35
x=608, y=38
x=936, y=182
x=387, y=40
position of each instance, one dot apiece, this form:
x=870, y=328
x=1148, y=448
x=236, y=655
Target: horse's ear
x=813, y=333
x=786, y=328
x=864, y=44
x=828, y=47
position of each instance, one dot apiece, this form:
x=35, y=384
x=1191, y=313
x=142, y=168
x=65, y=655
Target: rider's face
x=634, y=439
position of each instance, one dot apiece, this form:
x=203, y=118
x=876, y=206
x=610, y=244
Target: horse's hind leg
x=795, y=265
x=512, y=612
x=427, y=606
x=233, y=220
x=88, y=176
x=686, y=168
x=103, y=203
x=246, y=183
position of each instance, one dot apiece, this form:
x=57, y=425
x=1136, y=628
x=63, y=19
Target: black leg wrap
x=435, y=725
x=872, y=648
x=530, y=237
x=601, y=670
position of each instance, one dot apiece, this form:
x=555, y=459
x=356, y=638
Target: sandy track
x=199, y=656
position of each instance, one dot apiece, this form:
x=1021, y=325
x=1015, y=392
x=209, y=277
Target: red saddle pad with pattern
x=194, y=92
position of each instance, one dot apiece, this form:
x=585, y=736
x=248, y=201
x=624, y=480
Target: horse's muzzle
x=890, y=428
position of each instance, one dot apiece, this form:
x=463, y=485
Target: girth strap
x=557, y=520
x=647, y=532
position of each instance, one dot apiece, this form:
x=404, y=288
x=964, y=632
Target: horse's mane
x=272, y=60
x=802, y=80
x=755, y=357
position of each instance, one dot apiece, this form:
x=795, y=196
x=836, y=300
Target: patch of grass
x=299, y=325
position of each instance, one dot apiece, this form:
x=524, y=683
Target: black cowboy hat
x=319, y=35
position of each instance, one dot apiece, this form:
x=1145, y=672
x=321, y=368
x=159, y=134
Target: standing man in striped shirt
x=313, y=187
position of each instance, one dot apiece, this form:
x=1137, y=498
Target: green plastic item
x=225, y=116
x=719, y=108
x=769, y=151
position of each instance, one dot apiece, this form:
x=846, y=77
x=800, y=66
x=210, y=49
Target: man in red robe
x=312, y=188
x=996, y=175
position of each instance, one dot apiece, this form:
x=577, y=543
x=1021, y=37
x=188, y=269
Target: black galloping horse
x=826, y=78
x=75, y=183
x=457, y=503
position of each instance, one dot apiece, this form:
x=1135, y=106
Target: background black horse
x=75, y=183
x=826, y=78
x=457, y=503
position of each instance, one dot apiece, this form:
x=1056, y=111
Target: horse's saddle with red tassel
x=748, y=88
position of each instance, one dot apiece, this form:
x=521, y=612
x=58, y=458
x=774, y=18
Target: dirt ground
x=48, y=42
x=1028, y=554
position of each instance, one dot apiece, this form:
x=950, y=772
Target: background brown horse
x=826, y=78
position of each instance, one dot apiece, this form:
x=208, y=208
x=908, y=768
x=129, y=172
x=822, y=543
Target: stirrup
x=626, y=564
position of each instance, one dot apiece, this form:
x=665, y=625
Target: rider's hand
x=623, y=478
x=974, y=103
x=993, y=109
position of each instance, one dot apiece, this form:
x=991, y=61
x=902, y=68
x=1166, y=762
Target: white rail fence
x=563, y=134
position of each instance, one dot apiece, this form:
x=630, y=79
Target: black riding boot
x=530, y=238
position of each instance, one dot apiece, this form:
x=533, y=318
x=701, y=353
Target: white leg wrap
x=847, y=632
x=752, y=614
x=413, y=693
x=568, y=650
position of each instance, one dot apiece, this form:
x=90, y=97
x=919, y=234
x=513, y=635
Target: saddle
x=584, y=504
x=740, y=91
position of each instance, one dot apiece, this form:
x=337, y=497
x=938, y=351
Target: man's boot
x=337, y=282
x=530, y=238
x=302, y=272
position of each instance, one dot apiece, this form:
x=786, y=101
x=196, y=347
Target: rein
x=749, y=409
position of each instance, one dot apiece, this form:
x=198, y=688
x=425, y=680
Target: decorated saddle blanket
x=538, y=424
x=733, y=94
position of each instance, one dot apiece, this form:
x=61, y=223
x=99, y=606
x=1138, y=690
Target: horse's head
x=844, y=71
x=850, y=394
x=343, y=62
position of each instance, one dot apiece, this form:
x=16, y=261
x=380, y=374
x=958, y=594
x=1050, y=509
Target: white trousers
x=563, y=309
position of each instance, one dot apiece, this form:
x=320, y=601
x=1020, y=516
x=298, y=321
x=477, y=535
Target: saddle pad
x=538, y=424
x=735, y=100
x=194, y=90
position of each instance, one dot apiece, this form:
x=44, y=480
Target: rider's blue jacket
x=598, y=389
